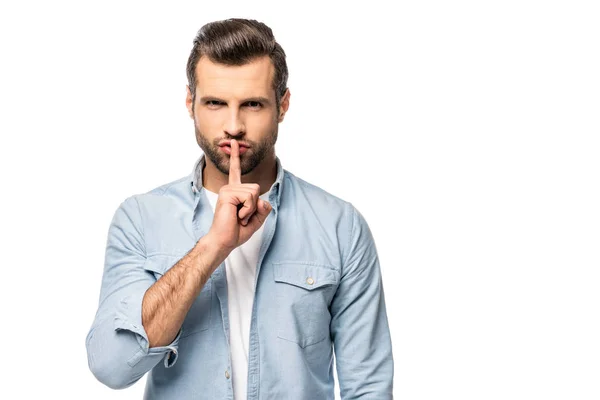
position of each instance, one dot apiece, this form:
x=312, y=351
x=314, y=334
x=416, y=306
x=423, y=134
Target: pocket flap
x=306, y=276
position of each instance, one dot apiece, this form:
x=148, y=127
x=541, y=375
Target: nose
x=234, y=125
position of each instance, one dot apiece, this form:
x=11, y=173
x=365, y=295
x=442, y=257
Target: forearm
x=167, y=302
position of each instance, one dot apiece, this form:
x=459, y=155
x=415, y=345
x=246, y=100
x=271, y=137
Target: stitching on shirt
x=141, y=222
x=135, y=359
x=349, y=234
x=306, y=263
x=166, y=254
x=301, y=345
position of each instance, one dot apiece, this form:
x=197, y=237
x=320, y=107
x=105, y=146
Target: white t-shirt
x=240, y=269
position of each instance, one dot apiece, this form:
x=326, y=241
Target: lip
x=228, y=143
x=227, y=149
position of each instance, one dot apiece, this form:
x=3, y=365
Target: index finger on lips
x=235, y=171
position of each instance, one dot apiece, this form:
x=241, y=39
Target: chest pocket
x=198, y=317
x=303, y=294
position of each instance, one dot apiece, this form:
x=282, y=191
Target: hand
x=239, y=211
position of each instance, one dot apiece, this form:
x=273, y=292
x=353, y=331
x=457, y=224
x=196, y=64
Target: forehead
x=235, y=81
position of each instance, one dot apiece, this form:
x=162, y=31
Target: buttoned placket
x=202, y=217
x=253, y=350
x=219, y=279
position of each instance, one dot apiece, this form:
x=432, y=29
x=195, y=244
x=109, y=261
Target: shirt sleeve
x=117, y=344
x=359, y=324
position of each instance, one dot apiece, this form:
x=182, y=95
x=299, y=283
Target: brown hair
x=237, y=41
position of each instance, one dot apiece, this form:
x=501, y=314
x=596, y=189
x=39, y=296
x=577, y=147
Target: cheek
x=263, y=124
x=207, y=121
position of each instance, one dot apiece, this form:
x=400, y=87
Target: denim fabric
x=318, y=290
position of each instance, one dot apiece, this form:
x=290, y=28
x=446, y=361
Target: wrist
x=213, y=252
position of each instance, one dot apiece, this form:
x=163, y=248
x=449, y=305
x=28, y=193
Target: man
x=240, y=280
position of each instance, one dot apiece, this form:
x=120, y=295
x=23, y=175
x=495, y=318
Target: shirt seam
x=141, y=225
x=351, y=227
x=309, y=263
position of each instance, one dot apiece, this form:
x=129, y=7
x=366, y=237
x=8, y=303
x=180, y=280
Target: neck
x=264, y=174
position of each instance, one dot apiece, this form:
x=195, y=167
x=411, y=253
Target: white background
x=466, y=132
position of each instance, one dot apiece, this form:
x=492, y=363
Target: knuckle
x=251, y=201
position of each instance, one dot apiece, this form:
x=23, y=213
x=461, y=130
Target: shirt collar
x=196, y=186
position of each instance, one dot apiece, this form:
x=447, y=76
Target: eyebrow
x=259, y=99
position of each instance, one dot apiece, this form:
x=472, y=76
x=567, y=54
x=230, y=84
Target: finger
x=239, y=193
x=261, y=214
x=246, y=204
x=235, y=171
x=264, y=207
x=262, y=210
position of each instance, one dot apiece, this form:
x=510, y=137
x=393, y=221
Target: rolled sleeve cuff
x=170, y=350
x=128, y=316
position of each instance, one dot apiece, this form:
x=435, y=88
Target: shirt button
x=310, y=280
x=226, y=374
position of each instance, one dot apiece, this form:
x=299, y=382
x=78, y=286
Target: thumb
x=260, y=215
x=262, y=211
x=264, y=207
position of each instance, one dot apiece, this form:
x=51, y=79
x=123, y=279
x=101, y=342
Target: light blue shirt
x=318, y=290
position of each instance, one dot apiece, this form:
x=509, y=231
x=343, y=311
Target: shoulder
x=328, y=216
x=302, y=189
x=314, y=203
x=172, y=188
x=166, y=198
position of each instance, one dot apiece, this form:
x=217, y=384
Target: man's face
x=236, y=102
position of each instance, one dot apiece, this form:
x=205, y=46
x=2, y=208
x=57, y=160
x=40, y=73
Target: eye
x=213, y=103
x=254, y=104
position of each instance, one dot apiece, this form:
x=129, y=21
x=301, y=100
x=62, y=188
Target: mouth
x=227, y=149
x=228, y=144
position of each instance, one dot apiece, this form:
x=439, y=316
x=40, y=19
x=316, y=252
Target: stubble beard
x=252, y=158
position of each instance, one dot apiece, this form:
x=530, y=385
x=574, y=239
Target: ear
x=284, y=105
x=189, y=103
